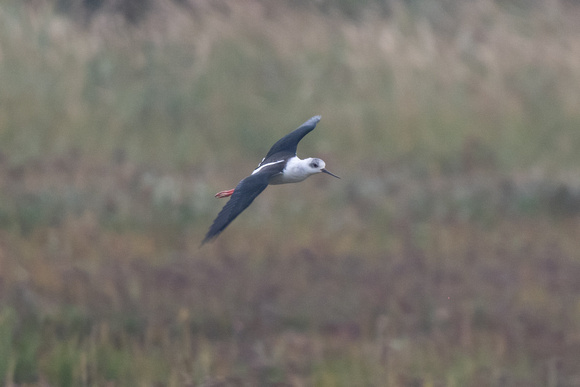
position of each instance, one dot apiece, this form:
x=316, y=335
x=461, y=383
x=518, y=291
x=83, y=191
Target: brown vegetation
x=448, y=255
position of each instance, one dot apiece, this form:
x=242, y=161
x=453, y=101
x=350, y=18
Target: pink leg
x=224, y=194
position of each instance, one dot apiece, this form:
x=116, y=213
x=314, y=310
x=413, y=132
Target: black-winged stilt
x=280, y=166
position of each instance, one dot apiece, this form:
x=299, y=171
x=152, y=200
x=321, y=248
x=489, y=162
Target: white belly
x=294, y=172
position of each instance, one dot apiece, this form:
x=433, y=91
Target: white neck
x=295, y=171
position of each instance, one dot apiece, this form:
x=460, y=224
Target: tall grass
x=447, y=254
x=176, y=85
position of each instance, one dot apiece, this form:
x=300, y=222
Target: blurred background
x=448, y=254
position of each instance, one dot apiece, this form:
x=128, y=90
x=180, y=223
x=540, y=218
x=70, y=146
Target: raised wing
x=289, y=143
x=244, y=194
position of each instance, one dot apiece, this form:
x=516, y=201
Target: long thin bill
x=329, y=173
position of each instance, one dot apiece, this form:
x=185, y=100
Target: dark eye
x=314, y=165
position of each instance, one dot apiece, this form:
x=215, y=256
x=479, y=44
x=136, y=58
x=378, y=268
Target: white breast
x=295, y=171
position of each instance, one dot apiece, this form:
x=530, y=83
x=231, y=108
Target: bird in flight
x=280, y=166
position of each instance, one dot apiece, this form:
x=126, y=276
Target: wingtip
x=209, y=237
x=206, y=240
x=312, y=121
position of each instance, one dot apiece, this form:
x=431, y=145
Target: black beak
x=329, y=173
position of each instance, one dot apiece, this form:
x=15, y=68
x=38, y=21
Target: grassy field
x=447, y=255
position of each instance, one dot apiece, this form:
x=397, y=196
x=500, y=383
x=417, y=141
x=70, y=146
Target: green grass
x=447, y=254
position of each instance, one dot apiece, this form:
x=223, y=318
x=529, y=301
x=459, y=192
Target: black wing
x=289, y=143
x=244, y=194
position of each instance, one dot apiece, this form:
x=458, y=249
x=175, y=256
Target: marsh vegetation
x=448, y=254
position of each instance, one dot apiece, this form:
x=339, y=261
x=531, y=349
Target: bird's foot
x=224, y=194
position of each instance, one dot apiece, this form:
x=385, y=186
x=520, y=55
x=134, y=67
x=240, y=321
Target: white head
x=297, y=170
x=315, y=165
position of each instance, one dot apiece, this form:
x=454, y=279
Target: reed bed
x=446, y=256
